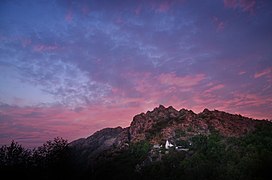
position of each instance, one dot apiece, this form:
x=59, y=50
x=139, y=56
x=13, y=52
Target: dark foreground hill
x=159, y=144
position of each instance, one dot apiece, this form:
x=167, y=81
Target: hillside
x=168, y=137
x=163, y=124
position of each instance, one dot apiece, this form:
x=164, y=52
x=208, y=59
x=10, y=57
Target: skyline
x=70, y=68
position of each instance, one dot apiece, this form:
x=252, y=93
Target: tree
x=14, y=160
x=51, y=159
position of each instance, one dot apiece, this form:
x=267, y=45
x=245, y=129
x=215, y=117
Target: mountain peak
x=162, y=123
x=206, y=110
x=160, y=108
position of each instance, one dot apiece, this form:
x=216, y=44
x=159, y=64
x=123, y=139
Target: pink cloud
x=245, y=5
x=168, y=89
x=215, y=88
x=220, y=25
x=242, y=72
x=180, y=81
x=163, y=89
x=248, y=103
x=243, y=99
x=44, y=123
x=248, y=5
x=164, y=7
x=161, y=7
x=266, y=72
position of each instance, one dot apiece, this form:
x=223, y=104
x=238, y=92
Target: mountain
x=174, y=144
x=163, y=124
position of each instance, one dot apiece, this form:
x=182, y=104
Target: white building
x=156, y=146
x=168, y=145
x=180, y=148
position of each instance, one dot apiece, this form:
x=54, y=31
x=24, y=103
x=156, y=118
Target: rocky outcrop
x=145, y=125
x=227, y=124
x=163, y=124
x=168, y=123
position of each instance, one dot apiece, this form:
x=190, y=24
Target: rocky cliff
x=163, y=124
x=166, y=123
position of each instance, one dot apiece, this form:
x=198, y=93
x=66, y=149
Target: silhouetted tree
x=46, y=162
x=14, y=160
x=50, y=159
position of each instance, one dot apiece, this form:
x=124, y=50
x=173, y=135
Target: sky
x=69, y=68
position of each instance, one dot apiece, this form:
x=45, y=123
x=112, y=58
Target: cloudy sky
x=69, y=68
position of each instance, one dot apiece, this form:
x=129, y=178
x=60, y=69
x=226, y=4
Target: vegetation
x=209, y=157
x=179, y=133
x=45, y=162
x=216, y=157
